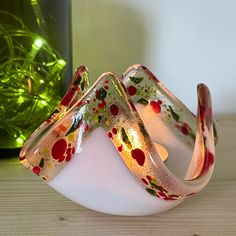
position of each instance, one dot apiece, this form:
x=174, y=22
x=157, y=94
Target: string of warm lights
x=30, y=71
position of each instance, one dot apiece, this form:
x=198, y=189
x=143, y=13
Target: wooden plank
x=30, y=207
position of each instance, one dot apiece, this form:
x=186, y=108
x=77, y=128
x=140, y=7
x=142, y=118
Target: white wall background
x=183, y=42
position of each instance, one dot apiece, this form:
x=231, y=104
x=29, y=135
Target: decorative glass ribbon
x=153, y=134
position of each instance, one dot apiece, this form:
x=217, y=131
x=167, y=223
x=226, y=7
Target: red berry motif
x=156, y=190
x=114, y=109
x=59, y=149
x=86, y=127
x=36, y=170
x=138, y=155
x=145, y=181
x=102, y=104
x=60, y=152
x=149, y=178
x=183, y=127
x=109, y=134
x=68, y=154
x=156, y=106
x=114, y=131
x=120, y=148
x=209, y=161
x=131, y=90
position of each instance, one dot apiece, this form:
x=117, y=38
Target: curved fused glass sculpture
x=126, y=147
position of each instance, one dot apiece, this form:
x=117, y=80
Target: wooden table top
x=30, y=207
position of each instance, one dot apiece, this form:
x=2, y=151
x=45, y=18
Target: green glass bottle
x=31, y=70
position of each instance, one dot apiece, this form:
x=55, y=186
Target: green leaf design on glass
x=143, y=129
x=151, y=191
x=174, y=114
x=154, y=185
x=192, y=135
x=215, y=133
x=99, y=118
x=125, y=138
x=143, y=101
x=82, y=85
x=75, y=125
x=136, y=80
x=101, y=94
x=77, y=81
x=41, y=163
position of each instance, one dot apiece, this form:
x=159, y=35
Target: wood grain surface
x=30, y=207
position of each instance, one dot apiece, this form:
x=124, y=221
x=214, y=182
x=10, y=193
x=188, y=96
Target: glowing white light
x=38, y=43
x=44, y=103
x=61, y=62
x=20, y=140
